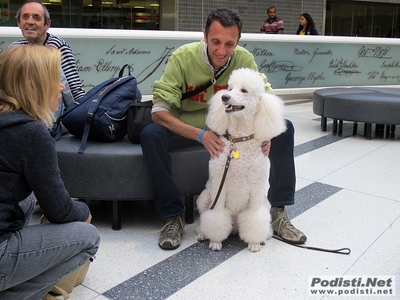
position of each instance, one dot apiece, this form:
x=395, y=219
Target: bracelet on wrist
x=199, y=137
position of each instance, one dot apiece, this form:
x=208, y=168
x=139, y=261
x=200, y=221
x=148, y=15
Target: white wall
x=291, y=63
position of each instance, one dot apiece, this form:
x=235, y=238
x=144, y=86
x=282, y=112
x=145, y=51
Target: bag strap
x=199, y=89
x=94, y=105
x=121, y=72
x=202, y=88
x=59, y=130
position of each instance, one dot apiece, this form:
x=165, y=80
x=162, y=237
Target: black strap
x=92, y=107
x=228, y=160
x=58, y=130
x=202, y=88
x=345, y=251
x=121, y=72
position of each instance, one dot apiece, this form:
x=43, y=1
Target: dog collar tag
x=236, y=154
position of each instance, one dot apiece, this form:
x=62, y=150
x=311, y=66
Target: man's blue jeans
x=157, y=141
x=38, y=256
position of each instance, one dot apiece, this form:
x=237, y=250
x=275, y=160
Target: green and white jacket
x=187, y=69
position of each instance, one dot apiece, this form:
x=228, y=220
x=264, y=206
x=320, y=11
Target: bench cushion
x=117, y=170
x=377, y=107
x=319, y=96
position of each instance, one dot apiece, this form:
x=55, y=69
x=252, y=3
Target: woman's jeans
x=36, y=257
x=157, y=141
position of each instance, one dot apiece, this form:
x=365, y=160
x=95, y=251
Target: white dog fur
x=242, y=205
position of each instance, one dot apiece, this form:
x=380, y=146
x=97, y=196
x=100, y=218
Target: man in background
x=33, y=19
x=272, y=25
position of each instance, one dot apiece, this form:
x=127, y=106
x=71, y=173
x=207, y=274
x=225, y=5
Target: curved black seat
x=370, y=105
x=117, y=172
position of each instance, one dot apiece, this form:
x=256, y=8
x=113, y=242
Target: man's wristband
x=200, y=135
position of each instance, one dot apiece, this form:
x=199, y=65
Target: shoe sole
x=170, y=247
x=289, y=241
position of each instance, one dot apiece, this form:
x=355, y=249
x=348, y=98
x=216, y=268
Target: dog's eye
x=244, y=91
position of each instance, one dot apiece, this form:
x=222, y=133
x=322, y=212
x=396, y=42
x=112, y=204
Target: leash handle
x=344, y=251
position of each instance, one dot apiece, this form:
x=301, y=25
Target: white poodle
x=244, y=116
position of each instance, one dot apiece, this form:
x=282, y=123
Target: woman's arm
x=40, y=169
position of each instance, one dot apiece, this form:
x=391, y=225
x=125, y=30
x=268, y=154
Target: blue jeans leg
x=282, y=177
x=156, y=142
x=38, y=256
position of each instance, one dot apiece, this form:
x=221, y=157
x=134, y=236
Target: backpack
x=101, y=113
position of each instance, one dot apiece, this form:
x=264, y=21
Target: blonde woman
x=34, y=257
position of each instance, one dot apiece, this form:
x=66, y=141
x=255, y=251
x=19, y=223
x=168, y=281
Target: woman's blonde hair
x=28, y=77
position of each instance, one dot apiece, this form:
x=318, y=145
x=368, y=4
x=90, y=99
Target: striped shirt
x=68, y=63
x=273, y=27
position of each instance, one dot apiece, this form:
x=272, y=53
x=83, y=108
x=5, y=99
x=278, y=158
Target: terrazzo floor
x=347, y=195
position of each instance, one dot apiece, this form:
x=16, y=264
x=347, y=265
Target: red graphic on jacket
x=201, y=96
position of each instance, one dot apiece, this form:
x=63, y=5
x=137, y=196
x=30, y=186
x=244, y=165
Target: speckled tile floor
x=347, y=195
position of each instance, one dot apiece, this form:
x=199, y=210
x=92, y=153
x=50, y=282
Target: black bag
x=101, y=113
x=139, y=115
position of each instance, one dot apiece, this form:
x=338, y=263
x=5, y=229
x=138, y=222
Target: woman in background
x=35, y=257
x=306, y=25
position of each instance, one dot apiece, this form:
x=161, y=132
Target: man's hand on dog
x=212, y=143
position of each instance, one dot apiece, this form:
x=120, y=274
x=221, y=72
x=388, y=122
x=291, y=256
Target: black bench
x=369, y=105
x=117, y=172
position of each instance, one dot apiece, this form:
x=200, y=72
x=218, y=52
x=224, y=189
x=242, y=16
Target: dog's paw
x=200, y=237
x=262, y=243
x=215, y=246
x=254, y=247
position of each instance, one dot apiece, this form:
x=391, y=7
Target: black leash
x=232, y=154
x=345, y=251
x=228, y=160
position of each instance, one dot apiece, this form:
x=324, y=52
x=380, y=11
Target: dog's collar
x=228, y=136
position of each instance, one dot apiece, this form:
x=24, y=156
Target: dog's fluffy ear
x=217, y=119
x=270, y=120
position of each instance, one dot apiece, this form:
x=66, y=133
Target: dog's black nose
x=226, y=98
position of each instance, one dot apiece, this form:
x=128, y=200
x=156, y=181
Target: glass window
x=356, y=18
x=106, y=14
